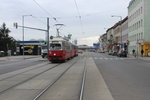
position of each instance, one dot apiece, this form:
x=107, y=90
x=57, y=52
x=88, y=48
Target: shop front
x=146, y=47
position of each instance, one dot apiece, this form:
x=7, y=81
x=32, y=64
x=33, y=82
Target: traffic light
x=16, y=25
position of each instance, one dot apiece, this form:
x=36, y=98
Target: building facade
x=124, y=33
x=30, y=47
x=138, y=24
x=117, y=32
x=116, y=37
x=110, y=39
x=124, y=26
x=103, y=43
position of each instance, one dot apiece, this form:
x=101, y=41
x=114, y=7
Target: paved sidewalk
x=139, y=57
x=6, y=58
x=95, y=86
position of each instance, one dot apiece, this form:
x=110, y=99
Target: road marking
x=105, y=58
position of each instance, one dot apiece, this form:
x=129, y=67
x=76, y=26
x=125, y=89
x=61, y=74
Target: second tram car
x=60, y=50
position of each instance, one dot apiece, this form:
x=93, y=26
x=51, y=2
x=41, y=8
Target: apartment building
x=117, y=32
x=138, y=24
x=110, y=38
x=124, y=33
x=103, y=42
x=124, y=26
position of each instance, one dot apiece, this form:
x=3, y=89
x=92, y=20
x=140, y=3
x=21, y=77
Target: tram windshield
x=55, y=46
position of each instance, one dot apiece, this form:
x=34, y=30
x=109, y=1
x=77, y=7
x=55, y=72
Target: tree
x=6, y=42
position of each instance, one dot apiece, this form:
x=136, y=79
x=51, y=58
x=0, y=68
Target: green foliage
x=6, y=42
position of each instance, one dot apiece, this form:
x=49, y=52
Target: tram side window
x=73, y=46
x=55, y=46
x=63, y=46
x=66, y=45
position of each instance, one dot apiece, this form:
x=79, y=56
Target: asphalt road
x=126, y=78
x=9, y=65
x=58, y=81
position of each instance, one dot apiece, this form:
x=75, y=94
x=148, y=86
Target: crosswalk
x=106, y=58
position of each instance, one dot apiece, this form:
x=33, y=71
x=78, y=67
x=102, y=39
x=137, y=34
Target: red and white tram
x=60, y=49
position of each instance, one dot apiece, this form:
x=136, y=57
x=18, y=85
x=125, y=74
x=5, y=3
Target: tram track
x=51, y=84
x=9, y=66
x=30, y=78
x=4, y=92
x=21, y=72
x=80, y=91
x=83, y=81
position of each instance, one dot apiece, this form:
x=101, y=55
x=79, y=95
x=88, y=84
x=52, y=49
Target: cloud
x=95, y=17
x=88, y=40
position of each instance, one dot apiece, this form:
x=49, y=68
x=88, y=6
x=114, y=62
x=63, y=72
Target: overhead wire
x=44, y=10
x=54, y=18
x=77, y=8
x=79, y=15
x=38, y=19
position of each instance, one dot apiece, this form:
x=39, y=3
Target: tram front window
x=55, y=46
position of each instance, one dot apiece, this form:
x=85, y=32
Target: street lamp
x=23, y=31
x=120, y=28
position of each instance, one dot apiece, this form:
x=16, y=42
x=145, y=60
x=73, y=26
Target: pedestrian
x=133, y=52
x=142, y=52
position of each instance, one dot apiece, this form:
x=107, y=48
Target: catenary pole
x=23, y=32
x=47, y=31
x=47, y=37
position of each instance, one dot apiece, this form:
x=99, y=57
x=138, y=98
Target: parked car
x=122, y=53
x=80, y=51
x=2, y=53
x=114, y=53
x=110, y=52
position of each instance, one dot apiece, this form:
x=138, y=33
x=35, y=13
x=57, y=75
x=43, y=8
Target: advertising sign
x=96, y=44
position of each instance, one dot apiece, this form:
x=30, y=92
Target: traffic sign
x=96, y=44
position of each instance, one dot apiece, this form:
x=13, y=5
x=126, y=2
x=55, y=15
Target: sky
x=94, y=21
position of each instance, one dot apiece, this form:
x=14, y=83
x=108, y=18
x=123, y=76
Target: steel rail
x=51, y=84
x=83, y=82
x=5, y=63
x=3, y=91
x=23, y=72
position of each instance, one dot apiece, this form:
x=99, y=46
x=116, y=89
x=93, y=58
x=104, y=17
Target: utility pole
x=23, y=32
x=47, y=37
x=45, y=30
x=23, y=35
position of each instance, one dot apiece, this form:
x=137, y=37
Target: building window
x=141, y=10
x=135, y=37
x=142, y=37
x=141, y=22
